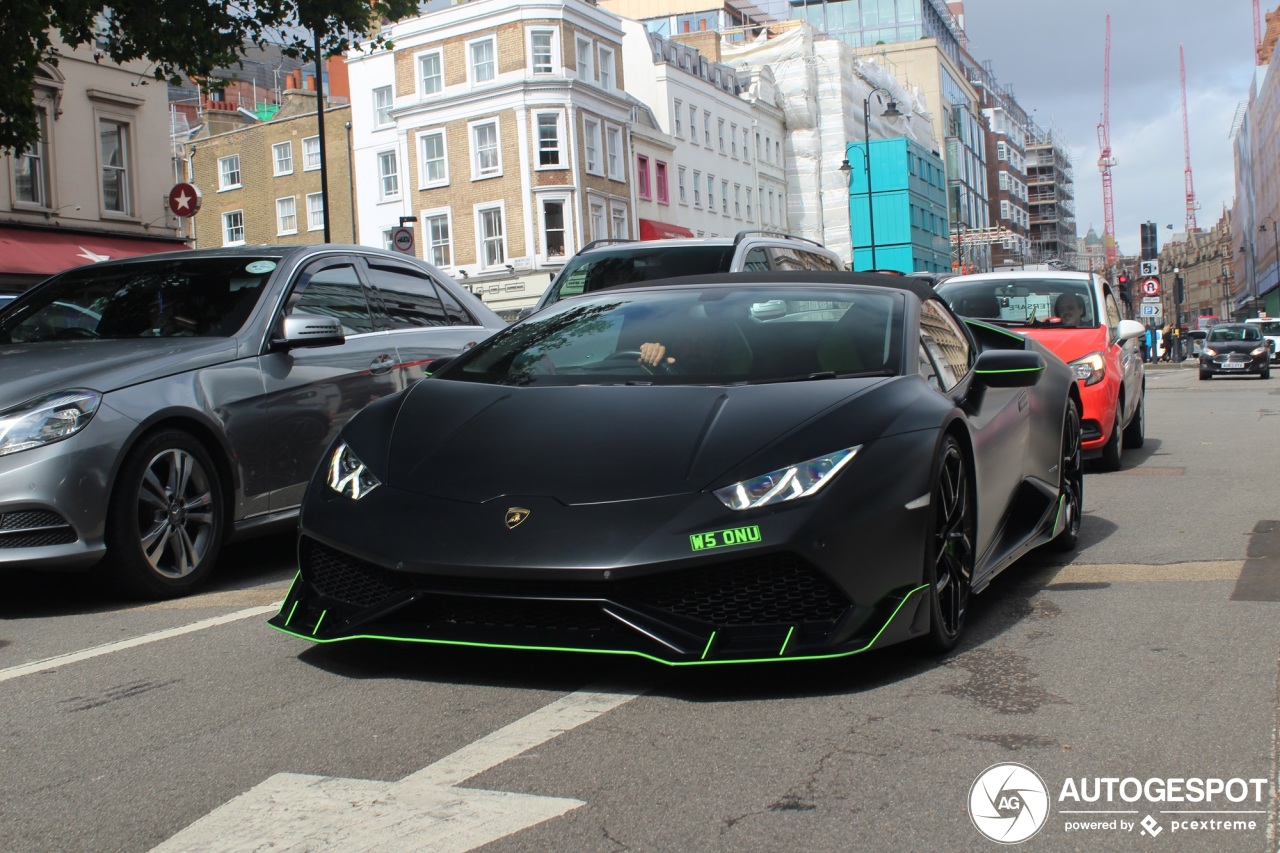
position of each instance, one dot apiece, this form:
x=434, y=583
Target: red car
x=1077, y=317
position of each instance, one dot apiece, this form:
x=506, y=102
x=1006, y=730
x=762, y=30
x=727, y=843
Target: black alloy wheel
x=1070, y=481
x=166, y=519
x=1135, y=434
x=1114, y=448
x=950, y=552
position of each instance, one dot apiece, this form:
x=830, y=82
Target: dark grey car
x=152, y=408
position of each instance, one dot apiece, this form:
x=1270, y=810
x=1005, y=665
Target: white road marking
x=97, y=651
x=298, y=813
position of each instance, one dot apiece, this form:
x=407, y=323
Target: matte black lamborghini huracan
x=771, y=466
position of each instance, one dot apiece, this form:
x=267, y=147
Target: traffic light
x=1178, y=292
x=1150, y=241
x=1122, y=280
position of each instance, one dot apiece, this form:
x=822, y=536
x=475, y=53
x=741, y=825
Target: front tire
x=1114, y=448
x=950, y=551
x=1070, y=481
x=1135, y=434
x=166, y=519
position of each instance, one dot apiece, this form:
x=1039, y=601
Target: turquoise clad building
x=908, y=209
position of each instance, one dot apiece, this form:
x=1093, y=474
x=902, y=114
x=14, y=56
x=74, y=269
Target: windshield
x=591, y=271
x=187, y=297
x=696, y=336
x=1228, y=334
x=1267, y=327
x=1044, y=303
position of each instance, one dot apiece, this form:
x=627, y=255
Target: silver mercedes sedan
x=153, y=408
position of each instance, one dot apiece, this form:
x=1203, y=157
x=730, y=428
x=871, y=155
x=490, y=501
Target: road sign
x=1151, y=287
x=402, y=240
x=1151, y=311
x=1149, y=268
x=184, y=199
x=1151, y=300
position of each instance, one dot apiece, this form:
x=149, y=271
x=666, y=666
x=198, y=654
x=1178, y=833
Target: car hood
x=1069, y=344
x=1234, y=346
x=591, y=444
x=30, y=370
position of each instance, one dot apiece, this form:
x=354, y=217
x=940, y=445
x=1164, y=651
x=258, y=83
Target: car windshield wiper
x=826, y=374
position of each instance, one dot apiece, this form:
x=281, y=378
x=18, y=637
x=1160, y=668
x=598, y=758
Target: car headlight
x=1259, y=351
x=348, y=475
x=1208, y=351
x=47, y=419
x=1091, y=368
x=786, y=484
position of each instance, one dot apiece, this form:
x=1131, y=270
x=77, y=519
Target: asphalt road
x=1150, y=653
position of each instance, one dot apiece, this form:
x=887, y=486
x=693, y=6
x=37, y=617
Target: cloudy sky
x=1051, y=55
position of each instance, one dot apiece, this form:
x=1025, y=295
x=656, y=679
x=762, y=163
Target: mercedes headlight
x=786, y=484
x=47, y=419
x=1091, y=368
x=348, y=475
x=1209, y=351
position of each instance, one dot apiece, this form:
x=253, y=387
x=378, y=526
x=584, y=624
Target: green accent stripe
x=870, y=643
x=782, y=651
x=1012, y=370
x=323, y=613
x=710, y=640
x=292, y=610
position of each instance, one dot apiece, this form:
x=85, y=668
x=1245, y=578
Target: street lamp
x=891, y=111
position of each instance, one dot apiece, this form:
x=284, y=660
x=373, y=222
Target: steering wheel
x=628, y=355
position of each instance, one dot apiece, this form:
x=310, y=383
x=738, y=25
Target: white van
x=1271, y=331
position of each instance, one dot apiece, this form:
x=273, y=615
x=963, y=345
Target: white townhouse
x=727, y=172
x=498, y=129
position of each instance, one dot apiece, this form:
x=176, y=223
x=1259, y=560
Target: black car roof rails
x=742, y=235
x=604, y=240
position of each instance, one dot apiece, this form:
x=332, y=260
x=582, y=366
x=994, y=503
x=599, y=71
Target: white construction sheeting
x=823, y=85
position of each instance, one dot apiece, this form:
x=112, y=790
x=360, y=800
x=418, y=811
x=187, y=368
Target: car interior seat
x=857, y=342
x=981, y=305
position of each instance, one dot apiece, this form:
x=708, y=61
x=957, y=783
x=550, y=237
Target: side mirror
x=1129, y=329
x=1008, y=368
x=309, y=330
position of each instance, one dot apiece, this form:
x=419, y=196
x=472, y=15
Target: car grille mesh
x=346, y=578
x=768, y=590
x=34, y=529
x=763, y=590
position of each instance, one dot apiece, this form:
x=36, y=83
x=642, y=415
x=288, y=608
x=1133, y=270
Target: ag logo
x=515, y=515
x=1008, y=803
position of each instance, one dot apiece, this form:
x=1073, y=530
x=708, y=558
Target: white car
x=1271, y=331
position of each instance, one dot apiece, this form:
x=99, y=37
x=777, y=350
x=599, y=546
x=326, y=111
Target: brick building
x=501, y=129
x=261, y=183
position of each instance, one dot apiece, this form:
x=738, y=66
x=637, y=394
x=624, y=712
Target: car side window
x=814, y=261
x=1113, y=310
x=458, y=316
x=944, y=344
x=332, y=290
x=785, y=258
x=756, y=261
x=410, y=300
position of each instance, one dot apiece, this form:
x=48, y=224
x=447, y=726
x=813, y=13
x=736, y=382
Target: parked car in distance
x=1270, y=328
x=606, y=263
x=1235, y=349
x=153, y=407
x=1075, y=315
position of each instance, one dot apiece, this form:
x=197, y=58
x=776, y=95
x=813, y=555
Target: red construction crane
x=1186, y=145
x=1257, y=29
x=1106, y=161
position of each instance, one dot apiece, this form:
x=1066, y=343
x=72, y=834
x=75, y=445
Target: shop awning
x=33, y=251
x=652, y=229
